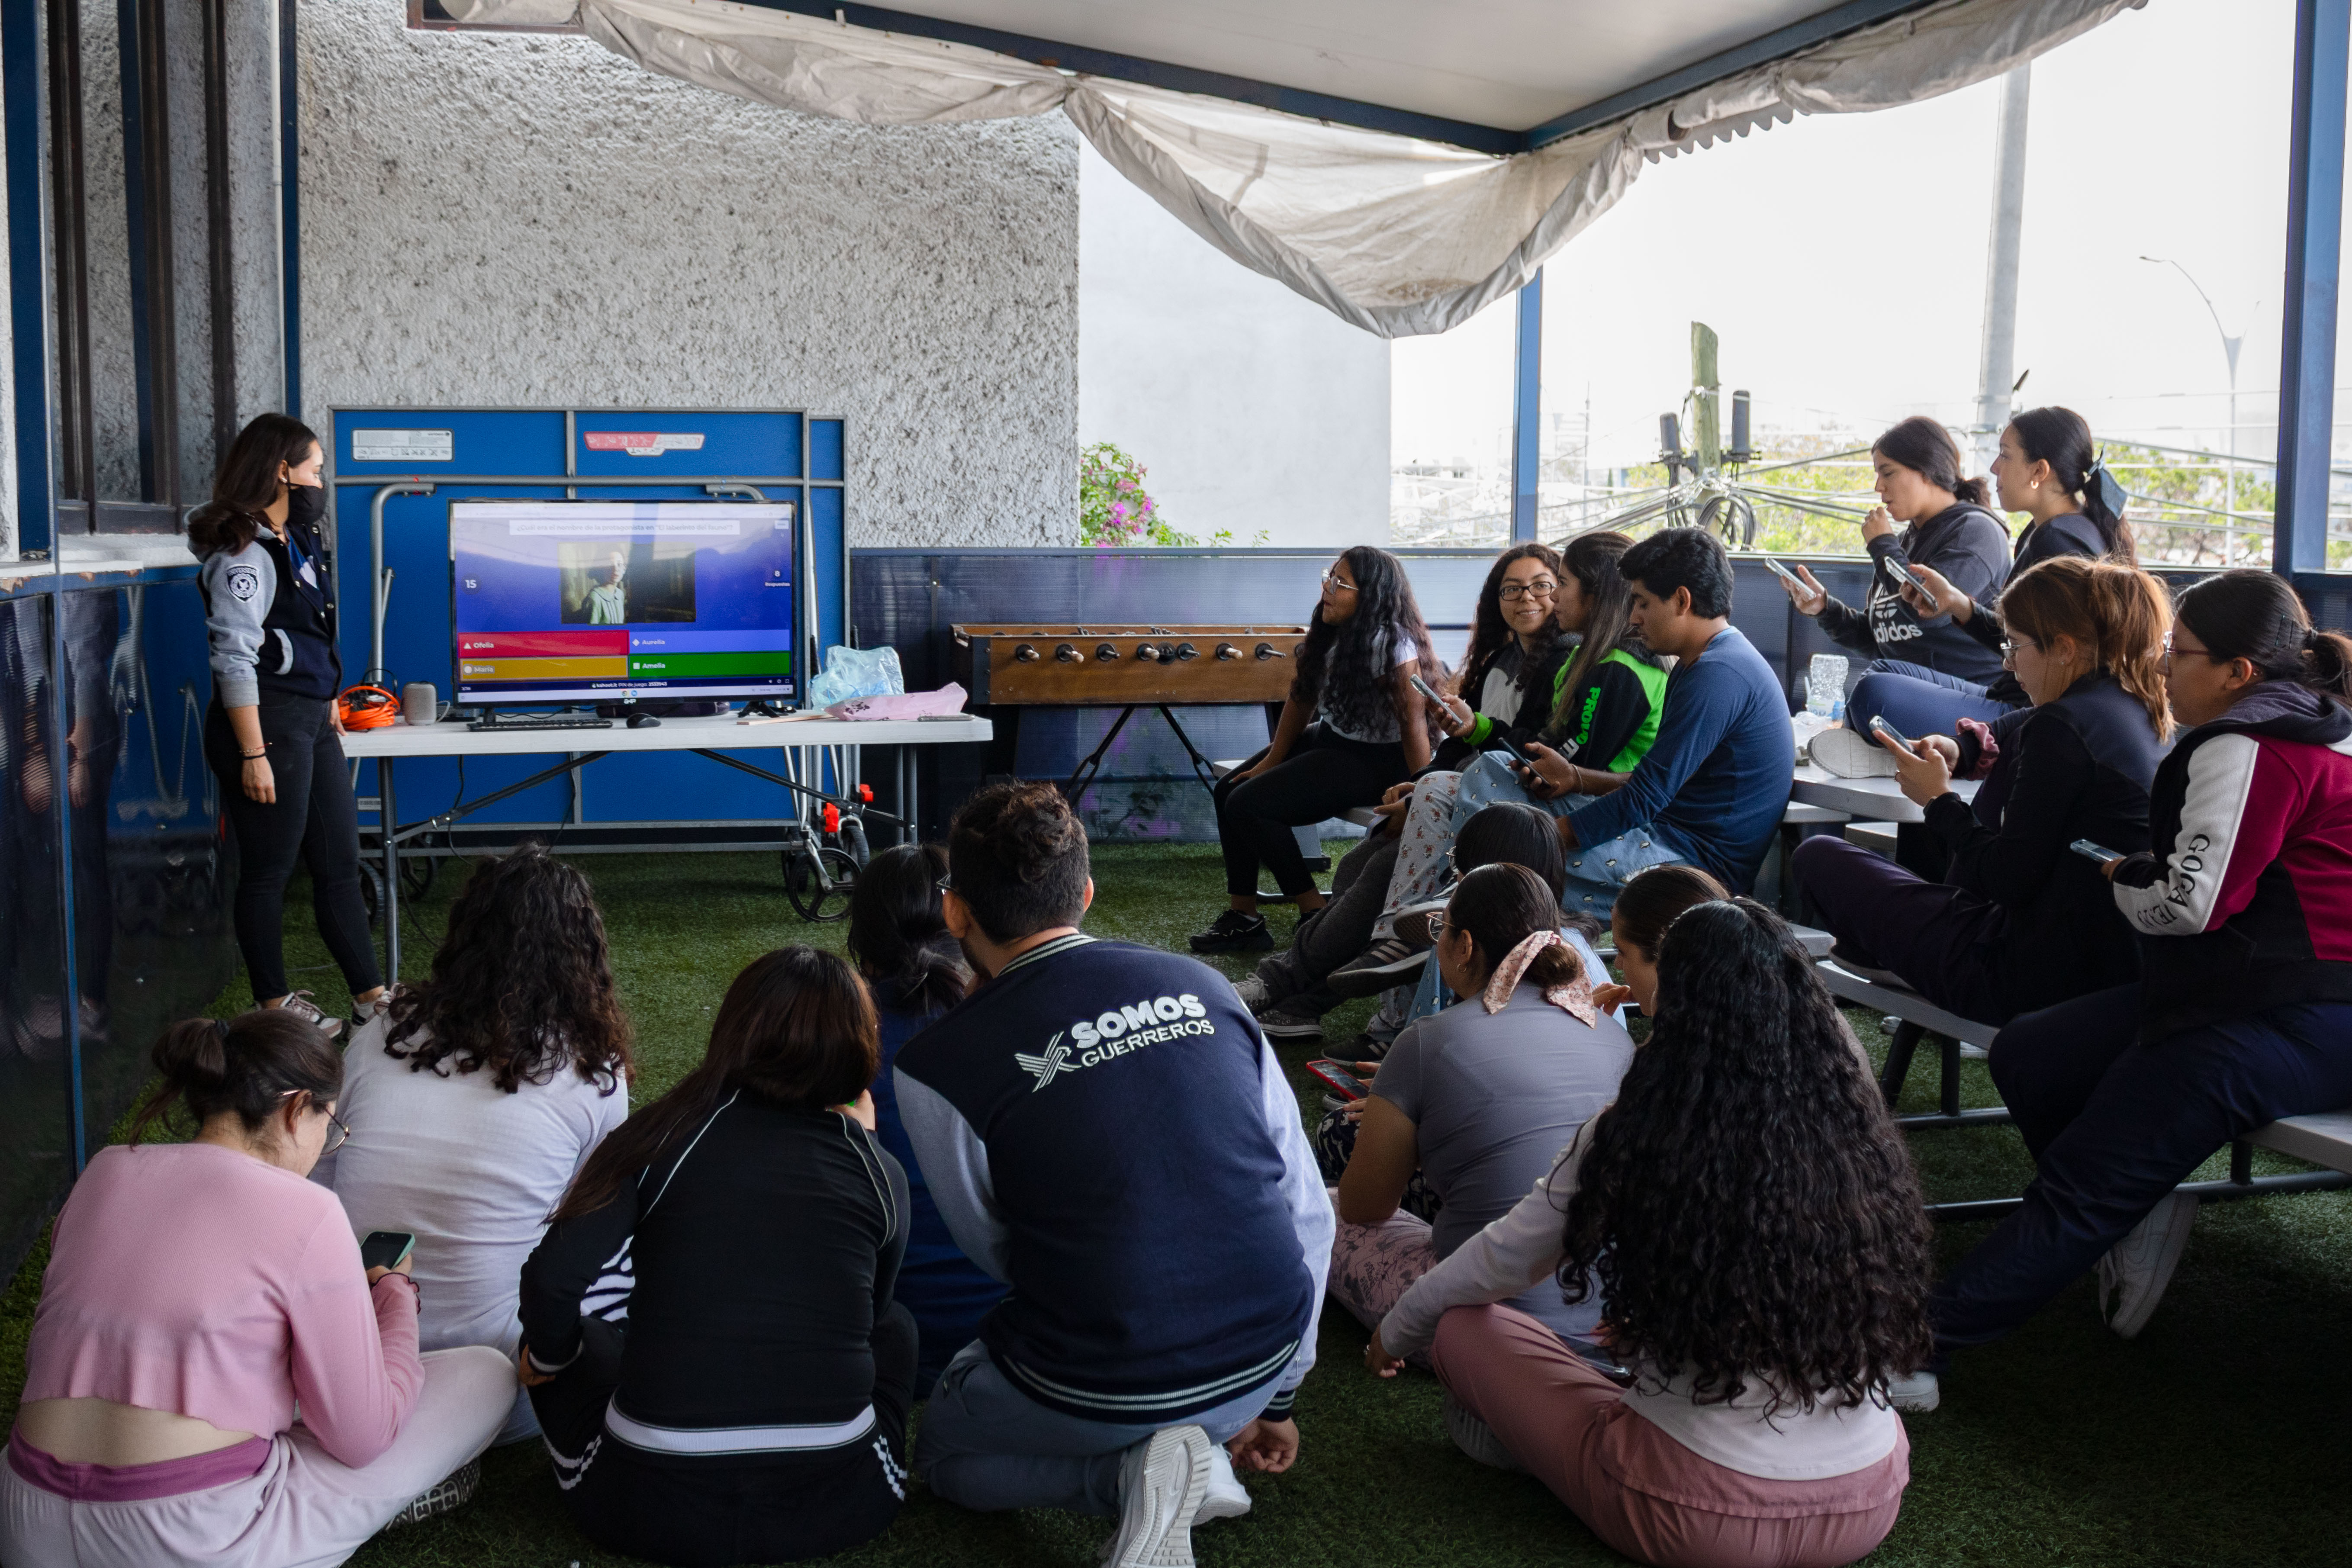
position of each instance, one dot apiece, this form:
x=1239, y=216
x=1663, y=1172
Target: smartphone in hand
x=1425, y=689
x=386, y=1248
x=1344, y=1084
x=2091, y=850
x=1786, y=575
x=1879, y=725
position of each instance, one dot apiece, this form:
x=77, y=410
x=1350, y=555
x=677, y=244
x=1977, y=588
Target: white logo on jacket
x=1116, y=1032
x=243, y=582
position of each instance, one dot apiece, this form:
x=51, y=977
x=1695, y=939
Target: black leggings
x=315, y=818
x=693, y=1510
x=1324, y=775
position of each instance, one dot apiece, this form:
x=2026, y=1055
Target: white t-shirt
x=473, y=1172
x=1524, y=1247
x=1400, y=649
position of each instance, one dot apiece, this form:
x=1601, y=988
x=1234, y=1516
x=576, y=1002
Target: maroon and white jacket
x=2246, y=902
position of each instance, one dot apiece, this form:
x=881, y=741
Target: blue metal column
x=1527, y=408
x=29, y=266
x=2315, y=218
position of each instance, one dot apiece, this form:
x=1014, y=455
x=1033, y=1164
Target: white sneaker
x=2137, y=1268
x=1226, y=1497
x=1918, y=1392
x=1477, y=1439
x=1252, y=993
x=1850, y=754
x=1160, y=1485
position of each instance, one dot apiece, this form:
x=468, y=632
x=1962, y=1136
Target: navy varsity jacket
x=1105, y=1130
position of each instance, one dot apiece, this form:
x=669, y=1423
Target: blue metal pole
x=2315, y=218
x=29, y=266
x=1527, y=408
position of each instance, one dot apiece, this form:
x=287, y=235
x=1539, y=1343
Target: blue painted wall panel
x=825, y=515
x=826, y=459
x=483, y=441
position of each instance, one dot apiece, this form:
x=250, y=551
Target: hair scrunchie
x=2312, y=637
x=220, y=1027
x=2103, y=494
x=1574, y=999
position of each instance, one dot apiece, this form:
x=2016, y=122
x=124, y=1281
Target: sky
x=1840, y=258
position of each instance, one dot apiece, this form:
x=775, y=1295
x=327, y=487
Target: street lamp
x=2230, y=347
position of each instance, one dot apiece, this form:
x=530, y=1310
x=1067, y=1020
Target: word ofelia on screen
x=568, y=601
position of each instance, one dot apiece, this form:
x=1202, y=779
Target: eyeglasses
x=2008, y=645
x=2203, y=653
x=1541, y=588
x=1337, y=584
x=945, y=884
x=339, y=1132
x=1437, y=926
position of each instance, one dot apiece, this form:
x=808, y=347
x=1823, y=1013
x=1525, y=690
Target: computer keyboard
x=541, y=721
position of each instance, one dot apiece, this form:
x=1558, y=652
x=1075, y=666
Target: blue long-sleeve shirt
x=1715, y=783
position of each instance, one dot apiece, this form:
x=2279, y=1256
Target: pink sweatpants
x=303, y=1508
x=1635, y=1487
x=1373, y=1266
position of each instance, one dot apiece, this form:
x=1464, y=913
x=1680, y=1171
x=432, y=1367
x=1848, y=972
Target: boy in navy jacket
x=1105, y=1129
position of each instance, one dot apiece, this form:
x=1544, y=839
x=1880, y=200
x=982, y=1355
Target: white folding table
x=1877, y=800
x=715, y=737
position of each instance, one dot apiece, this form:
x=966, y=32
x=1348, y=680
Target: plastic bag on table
x=856, y=672
x=947, y=698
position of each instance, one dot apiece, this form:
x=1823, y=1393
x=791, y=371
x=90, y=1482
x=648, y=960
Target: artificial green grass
x=2214, y=1439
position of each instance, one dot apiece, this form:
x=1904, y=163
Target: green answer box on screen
x=772, y=661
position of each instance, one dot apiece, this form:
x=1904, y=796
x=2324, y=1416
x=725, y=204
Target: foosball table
x=1034, y=665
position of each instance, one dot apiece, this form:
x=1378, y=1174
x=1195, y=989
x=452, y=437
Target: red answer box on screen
x=599, y=644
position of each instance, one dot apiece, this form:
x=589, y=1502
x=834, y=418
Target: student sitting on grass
x=2019, y=922
x=1638, y=925
x=898, y=939
x=197, y=1293
x=473, y=1098
x=1479, y=1098
x=2244, y=1010
x=708, y=1331
x=1351, y=726
x=1713, y=787
x=1107, y=1132
x=1749, y=1212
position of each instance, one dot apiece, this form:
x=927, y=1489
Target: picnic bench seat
x=1916, y=1018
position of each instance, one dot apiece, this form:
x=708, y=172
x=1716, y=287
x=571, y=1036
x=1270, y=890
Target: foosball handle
x=1065, y=654
x=1186, y=652
x=1106, y=652
x=1147, y=653
x=1025, y=654
x=1266, y=650
x=1227, y=650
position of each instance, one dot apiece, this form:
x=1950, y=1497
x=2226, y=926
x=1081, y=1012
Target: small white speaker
x=419, y=702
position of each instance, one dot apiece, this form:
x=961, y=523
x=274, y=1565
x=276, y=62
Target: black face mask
x=306, y=505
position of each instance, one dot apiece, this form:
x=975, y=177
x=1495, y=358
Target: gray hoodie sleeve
x=239, y=587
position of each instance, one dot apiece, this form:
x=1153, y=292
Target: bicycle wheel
x=852, y=839
x=371, y=892
x=818, y=882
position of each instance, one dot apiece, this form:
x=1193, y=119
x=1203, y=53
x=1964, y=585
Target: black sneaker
x=1235, y=931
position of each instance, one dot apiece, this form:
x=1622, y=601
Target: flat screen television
x=557, y=601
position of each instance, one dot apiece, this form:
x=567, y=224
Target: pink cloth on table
x=195, y=1279
x=947, y=698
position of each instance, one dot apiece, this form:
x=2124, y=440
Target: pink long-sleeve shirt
x=196, y=1279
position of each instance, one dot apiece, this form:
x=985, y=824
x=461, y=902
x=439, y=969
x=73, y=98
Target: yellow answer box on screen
x=615, y=668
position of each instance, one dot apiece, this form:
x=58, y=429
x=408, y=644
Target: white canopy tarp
x=1397, y=235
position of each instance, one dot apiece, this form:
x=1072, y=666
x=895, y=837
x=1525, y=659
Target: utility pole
x=2230, y=347
x=1997, y=363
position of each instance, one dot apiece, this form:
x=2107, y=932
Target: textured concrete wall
x=1255, y=410
x=534, y=221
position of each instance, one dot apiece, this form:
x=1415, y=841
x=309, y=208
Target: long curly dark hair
x=247, y=483
x=1346, y=666
x=1489, y=636
x=1747, y=1204
x=522, y=985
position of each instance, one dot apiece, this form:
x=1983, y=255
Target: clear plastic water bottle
x=1825, y=686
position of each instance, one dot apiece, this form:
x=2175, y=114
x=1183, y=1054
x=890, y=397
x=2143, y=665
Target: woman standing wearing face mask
x=270, y=734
